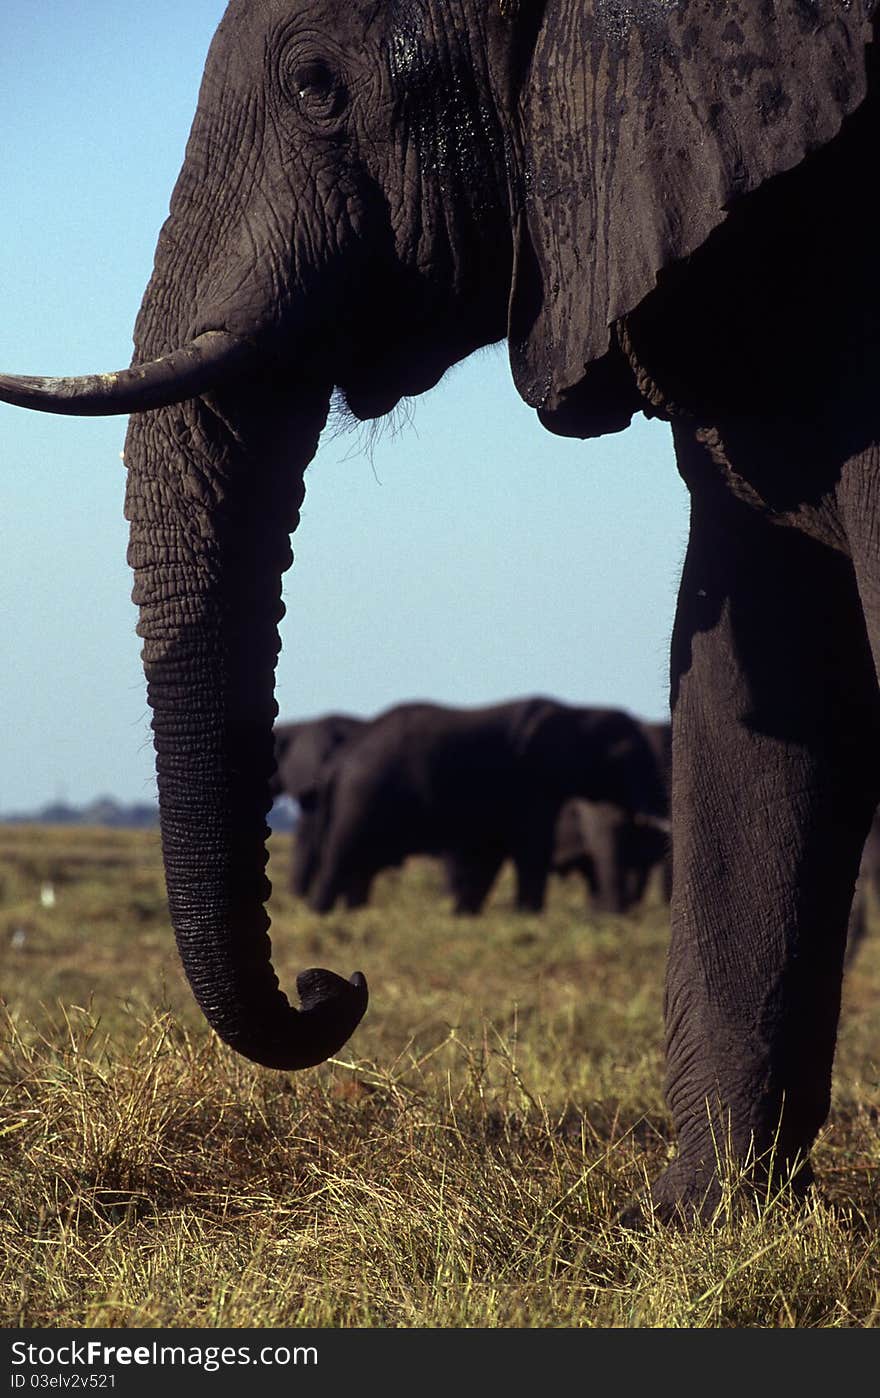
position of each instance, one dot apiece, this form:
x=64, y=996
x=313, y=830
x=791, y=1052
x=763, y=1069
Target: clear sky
x=467, y=558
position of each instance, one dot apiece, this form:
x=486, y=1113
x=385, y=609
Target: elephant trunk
x=211, y=507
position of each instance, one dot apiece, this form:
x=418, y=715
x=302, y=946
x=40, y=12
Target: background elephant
x=615, y=849
x=659, y=735
x=303, y=748
x=663, y=208
x=476, y=786
x=616, y=854
x=302, y=752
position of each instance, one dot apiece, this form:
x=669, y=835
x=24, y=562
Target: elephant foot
x=684, y=1197
x=465, y=905
x=675, y=1201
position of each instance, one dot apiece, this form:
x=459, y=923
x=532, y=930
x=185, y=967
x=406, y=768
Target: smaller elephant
x=303, y=752
x=867, y=886
x=474, y=787
x=659, y=735
x=614, y=850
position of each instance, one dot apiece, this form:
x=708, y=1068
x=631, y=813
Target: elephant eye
x=317, y=89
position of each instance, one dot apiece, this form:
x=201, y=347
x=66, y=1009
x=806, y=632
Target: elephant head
x=341, y=221
x=369, y=193
x=303, y=750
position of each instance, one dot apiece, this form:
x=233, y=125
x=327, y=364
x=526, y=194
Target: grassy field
x=461, y=1164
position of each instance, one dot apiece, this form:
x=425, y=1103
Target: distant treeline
x=103, y=811
x=139, y=816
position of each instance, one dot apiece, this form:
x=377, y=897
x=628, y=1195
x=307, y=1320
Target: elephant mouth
x=367, y=404
x=373, y=392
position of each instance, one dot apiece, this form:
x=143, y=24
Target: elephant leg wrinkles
x=775, y=740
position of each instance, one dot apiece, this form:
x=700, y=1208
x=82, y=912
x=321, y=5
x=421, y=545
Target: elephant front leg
x=532, y=854
x=305, y=851
x=354, y=838
x=470, y=875
x=775, y=736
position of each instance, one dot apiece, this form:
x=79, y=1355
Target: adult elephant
x=303, y=752
x=659, y=735
x=476, y=786
x=665, y=208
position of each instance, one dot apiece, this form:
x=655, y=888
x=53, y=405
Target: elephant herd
x=555, y=788
x=552, y=787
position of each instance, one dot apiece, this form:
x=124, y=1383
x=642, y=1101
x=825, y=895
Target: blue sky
x=468, y=557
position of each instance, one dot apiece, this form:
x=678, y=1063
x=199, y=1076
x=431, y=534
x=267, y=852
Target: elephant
x=302, y=751
x=659, y=735
x=474, y=786
x=304, y=747
x=867, y=887
x=663, y=208
x=614, y=849
x=616, y=854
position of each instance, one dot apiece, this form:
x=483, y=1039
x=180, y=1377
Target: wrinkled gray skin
x=665, y=208
x=303, y=751
x=477, y=787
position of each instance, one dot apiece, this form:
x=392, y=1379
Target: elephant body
x=664, y=208
x=475, y=786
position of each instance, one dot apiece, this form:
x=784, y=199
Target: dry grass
x=462, y=1167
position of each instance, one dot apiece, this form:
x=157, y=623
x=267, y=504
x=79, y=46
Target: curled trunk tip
x=332, y=1008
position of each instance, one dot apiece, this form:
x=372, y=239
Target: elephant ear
x=641, y=126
